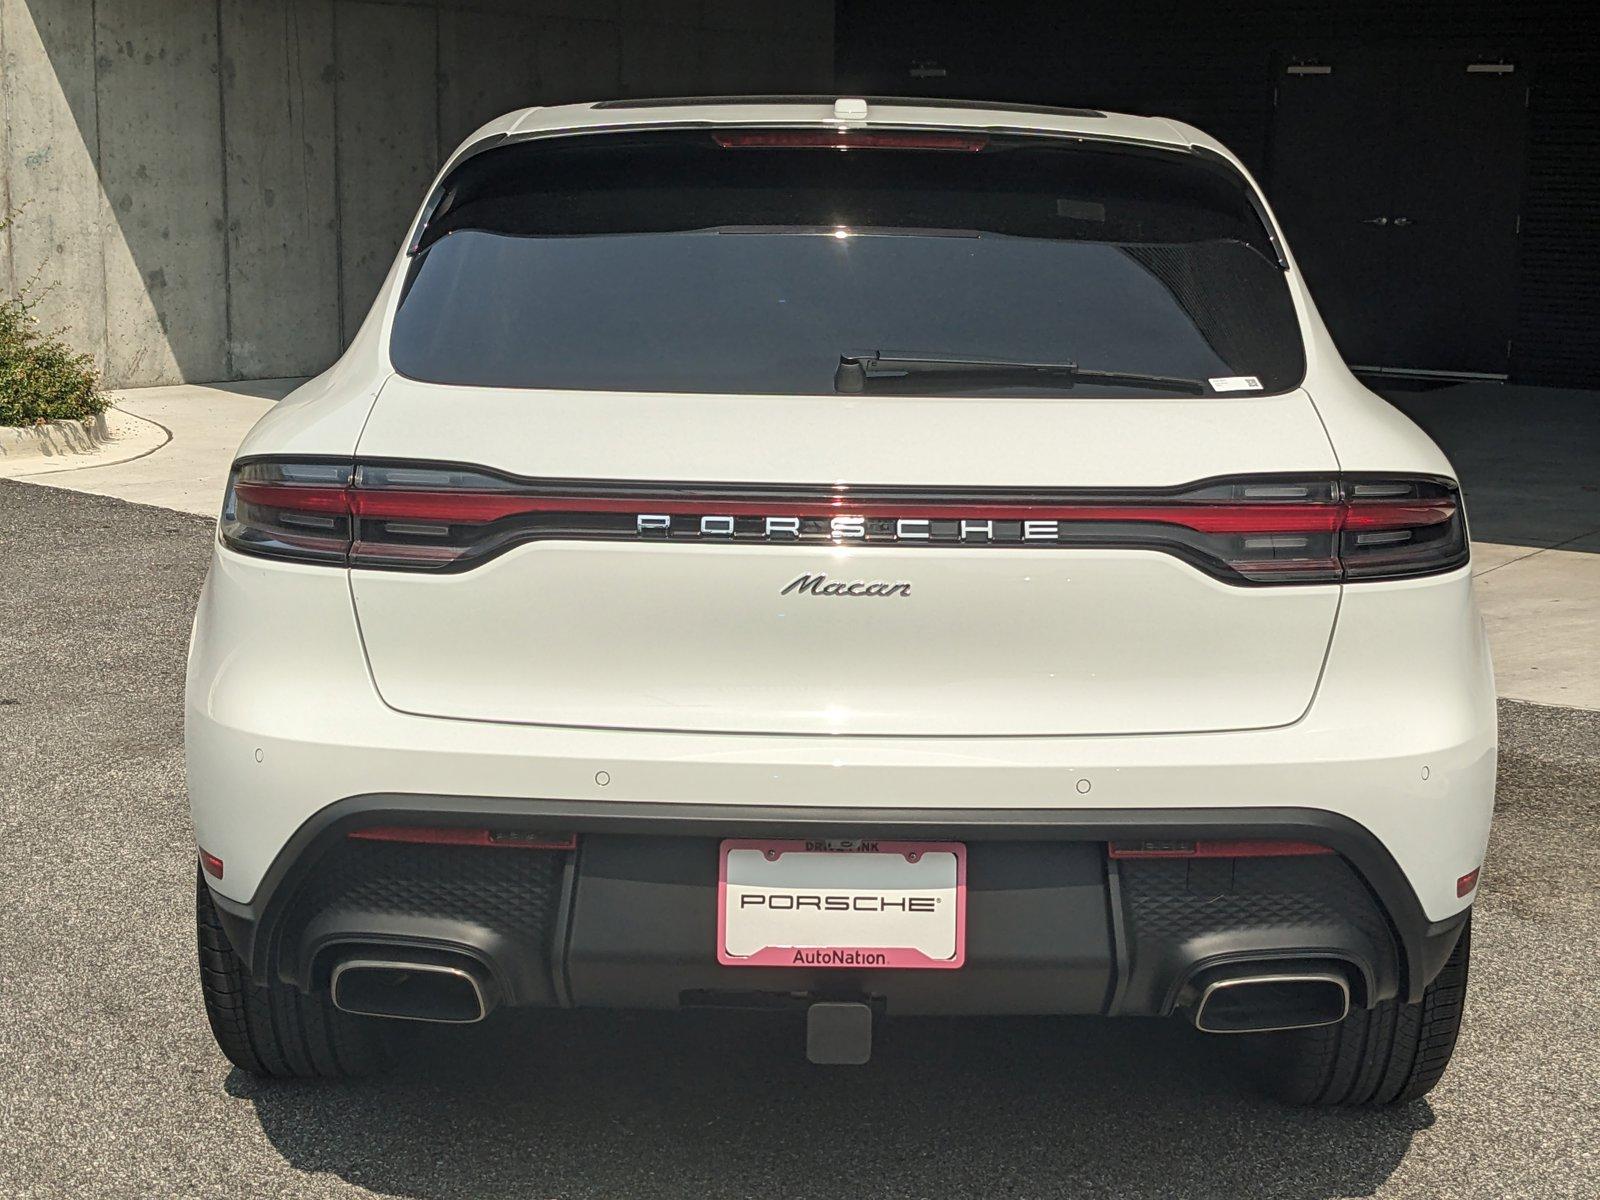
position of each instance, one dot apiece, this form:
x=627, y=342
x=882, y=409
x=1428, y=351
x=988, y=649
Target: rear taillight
x=289, y=510
x=1399, y=527
x=420, y=518
x=1246, y=848
x=428, y=517
x=452, y=835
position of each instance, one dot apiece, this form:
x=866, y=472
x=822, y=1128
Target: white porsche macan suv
x=863, y=557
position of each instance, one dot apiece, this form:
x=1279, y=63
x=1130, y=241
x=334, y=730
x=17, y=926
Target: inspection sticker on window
x=1235, y=383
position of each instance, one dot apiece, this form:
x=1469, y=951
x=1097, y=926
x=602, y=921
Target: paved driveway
x=109, y=1084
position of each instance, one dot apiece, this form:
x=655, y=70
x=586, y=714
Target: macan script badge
x=821, y=585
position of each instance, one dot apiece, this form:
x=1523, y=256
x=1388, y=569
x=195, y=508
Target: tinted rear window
x=667, y=262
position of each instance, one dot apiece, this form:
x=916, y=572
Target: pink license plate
x=848, y=904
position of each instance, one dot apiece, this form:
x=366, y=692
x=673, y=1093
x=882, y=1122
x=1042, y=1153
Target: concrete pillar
x=771, y=46
x=579, y=59
x=47, y=94
x=283, y=245
x=214, y=189
x=7, y=279
x=488, y=65
x=160, y=137
x=387, y=138
x=662, y=44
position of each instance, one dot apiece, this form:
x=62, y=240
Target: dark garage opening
x=1436, y=165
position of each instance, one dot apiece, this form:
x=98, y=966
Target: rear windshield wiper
x=859, y=371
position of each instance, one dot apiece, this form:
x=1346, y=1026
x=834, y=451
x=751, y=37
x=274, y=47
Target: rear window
x=670, y=262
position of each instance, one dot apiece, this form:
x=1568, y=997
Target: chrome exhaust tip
x=444, y=988
x=1271, y=1002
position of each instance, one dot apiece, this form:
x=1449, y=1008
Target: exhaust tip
x=447, y=989
x=1272, y=1002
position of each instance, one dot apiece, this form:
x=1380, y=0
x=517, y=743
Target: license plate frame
x=796, y=937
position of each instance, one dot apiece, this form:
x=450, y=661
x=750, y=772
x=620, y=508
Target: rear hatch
x=697, y=633
x=768, y=440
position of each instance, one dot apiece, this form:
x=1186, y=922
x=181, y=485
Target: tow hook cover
x=839, y=1034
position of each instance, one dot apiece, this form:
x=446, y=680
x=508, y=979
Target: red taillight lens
x=848, y=139
x=427, y=517
x=449, y=835
x=1353, y=528
x=289, y=510
x=210, y=864
x=1399, y=527
x=1251, y=848
x=1467, y=882
x=419, y=517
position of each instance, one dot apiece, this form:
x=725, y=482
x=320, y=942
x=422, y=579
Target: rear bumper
x=283, y=724
x=628, y=918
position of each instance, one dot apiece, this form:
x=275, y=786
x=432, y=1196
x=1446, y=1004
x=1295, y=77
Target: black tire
x=276, y=1031
x=1391, y=1054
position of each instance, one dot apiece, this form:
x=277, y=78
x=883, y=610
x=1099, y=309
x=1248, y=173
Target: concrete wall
x=212, y=189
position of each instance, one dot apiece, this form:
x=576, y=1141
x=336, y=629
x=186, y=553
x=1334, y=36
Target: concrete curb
x=53, y=439
x=170, y=446
x=117, y=436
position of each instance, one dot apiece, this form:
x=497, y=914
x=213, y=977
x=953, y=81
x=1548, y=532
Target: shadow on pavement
x=1528, y=459
x=613, y=1105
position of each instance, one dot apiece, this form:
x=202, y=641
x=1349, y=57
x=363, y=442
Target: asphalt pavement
x=110, y=1085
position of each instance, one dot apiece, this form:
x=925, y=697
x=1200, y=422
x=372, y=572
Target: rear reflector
x=211, y=864
x=449, y=835
x=847, y=139
x=1215, y=849
x=1250, y=529
x=1467, y=882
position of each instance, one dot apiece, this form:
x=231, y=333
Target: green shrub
x=41, y=379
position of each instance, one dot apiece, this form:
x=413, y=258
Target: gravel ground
x=110, y=1086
